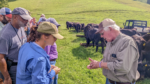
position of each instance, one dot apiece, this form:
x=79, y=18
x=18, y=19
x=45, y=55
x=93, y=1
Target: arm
x=4, y=43
x=39, y=73
x=125, y=58
x=3, y=69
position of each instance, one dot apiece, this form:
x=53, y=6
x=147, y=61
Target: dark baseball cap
x=22, y=12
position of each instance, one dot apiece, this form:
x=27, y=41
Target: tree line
x=4, y=3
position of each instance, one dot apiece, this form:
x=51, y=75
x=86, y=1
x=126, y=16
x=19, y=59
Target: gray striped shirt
x=121, y=56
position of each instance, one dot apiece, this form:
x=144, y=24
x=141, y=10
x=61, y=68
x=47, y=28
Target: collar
x=38, y=49
x=116, y=39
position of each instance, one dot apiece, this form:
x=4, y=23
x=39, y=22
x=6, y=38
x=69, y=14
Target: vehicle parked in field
x=138, y=25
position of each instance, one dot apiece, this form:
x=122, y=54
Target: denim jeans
x=54, y=81
x=107, y=81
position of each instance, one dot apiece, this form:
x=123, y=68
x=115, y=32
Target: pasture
x=73, y=58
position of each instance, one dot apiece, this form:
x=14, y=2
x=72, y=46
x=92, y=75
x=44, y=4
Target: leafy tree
x=4, y=3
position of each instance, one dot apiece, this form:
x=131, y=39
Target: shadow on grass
x=84, y=53
x=79, y=39
x=11, y=0
x=74, y=31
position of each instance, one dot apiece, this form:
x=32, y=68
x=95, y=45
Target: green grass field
x=73, y=58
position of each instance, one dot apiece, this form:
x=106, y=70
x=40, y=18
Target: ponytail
x=35, y=35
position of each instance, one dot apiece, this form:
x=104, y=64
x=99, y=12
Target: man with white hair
x=120, y=59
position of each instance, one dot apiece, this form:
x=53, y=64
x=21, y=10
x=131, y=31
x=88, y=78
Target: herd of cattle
x=142, y=40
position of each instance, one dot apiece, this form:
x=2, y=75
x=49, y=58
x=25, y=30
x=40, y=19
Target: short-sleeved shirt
x=1, y=26
x=11, y=39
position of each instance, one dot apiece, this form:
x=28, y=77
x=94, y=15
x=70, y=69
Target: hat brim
x=26, y=17
x=58, y=36
x=100, y=28
x=98, y=31
x=9, y=15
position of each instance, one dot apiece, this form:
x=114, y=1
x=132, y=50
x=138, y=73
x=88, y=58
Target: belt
x=13, y=63
x=113, y=82
x=52, y=59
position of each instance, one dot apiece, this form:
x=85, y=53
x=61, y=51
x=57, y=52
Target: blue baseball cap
x=6, y=11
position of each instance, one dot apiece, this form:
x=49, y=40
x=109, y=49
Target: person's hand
x=93, y=65
x=57, y=70
x=8, y=81
x=52, y=66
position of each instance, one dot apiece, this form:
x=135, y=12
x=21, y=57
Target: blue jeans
x=54, y=81
x=107, y=81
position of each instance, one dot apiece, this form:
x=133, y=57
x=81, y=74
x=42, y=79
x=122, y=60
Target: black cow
x=140, y=42
x=141, y=70
x=93, y=25
x=91, y=35
x=129, y=32
x=82, y=26
x=142, y=33
x=77, y=26
x=69, y=24
x=146, y=37
x=144, y=70
x=146, y=52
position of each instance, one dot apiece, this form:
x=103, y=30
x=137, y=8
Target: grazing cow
x=69, y=24
x=91, y=35
x=82, y=26
x=77, y=26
